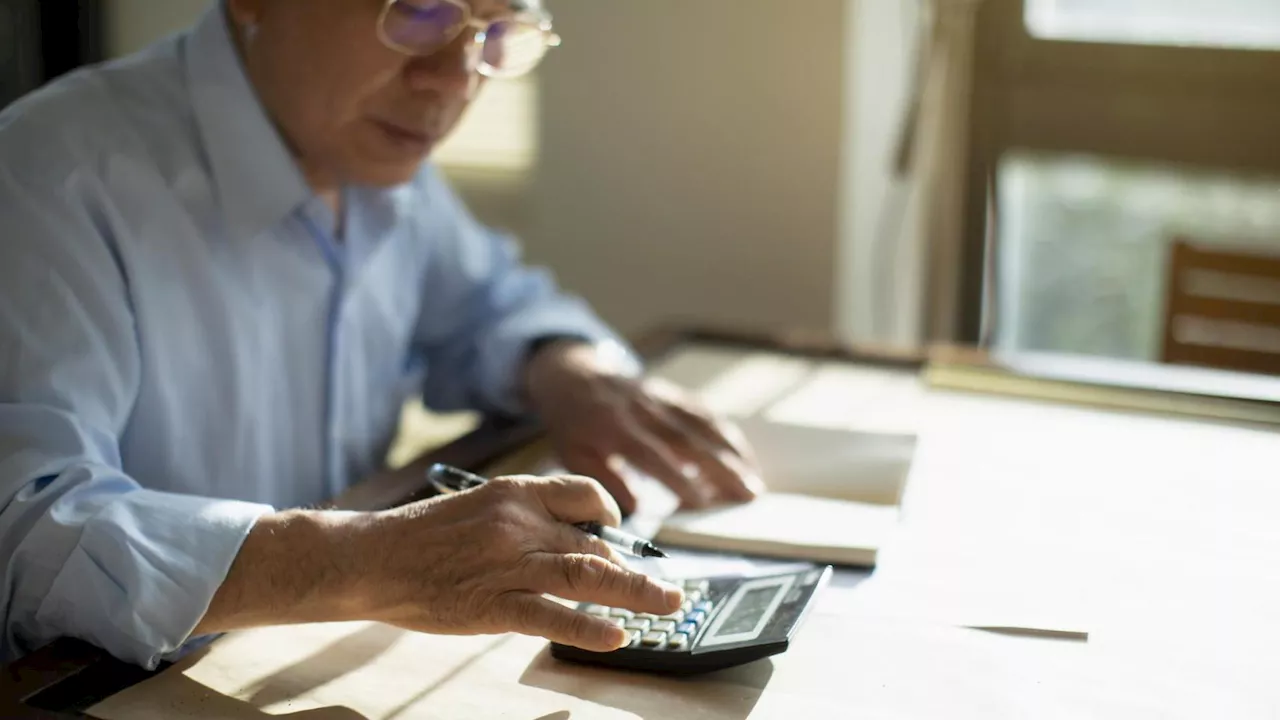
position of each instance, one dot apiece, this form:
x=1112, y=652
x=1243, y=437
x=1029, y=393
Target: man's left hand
x=596, y=415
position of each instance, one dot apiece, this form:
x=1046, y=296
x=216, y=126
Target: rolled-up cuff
x=144, y=571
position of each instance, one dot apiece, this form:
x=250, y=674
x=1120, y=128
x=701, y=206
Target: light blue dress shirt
x=185, y=345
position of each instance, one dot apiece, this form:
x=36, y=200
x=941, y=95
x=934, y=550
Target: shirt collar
x=256, y=179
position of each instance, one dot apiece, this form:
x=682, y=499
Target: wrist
x=553, y=361
x=323, y=553
x=296, y=566
x=344, y=538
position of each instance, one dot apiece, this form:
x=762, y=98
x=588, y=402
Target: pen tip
x=651, y=551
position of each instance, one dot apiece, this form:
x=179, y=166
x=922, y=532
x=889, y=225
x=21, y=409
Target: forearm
x=294, y=567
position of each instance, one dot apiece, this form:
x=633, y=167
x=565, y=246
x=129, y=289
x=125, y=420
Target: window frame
x=1186, y=105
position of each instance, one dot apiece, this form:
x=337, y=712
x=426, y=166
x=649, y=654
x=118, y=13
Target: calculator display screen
x=751, y=608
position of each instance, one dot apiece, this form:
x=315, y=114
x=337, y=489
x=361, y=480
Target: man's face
x=352, y=109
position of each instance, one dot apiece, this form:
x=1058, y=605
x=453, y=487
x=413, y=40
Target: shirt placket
x=336, y=257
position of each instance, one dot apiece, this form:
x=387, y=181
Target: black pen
x=447, y=479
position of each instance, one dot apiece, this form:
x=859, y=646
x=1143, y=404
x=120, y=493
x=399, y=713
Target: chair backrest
x=1222, y=308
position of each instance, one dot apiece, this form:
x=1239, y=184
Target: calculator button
x=635, y=639
x=678, y=641
x=687, y=628
x=601, y=610
x=701, y=586
x=653, y=639
x=663, y=626
x=620, y=622
x=646, y=616
x=676, y=617
x=703, y=607
x=693, y=596
x=695, y=617
x=687, y=607
x=637, y=625
x=621, y=613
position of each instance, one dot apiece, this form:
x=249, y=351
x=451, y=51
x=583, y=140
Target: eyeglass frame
x=539, y=18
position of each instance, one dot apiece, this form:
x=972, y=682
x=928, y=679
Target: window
x=499, y=134
x=1214, y=23
x=1086, y=239
x=1099, y=138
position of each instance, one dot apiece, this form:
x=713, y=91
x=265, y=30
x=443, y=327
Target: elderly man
x=226, y=265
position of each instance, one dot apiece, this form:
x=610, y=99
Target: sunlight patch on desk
x=733, y=383
x=856, y=397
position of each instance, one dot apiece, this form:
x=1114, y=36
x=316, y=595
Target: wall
x=690, y=157
x=132, y=24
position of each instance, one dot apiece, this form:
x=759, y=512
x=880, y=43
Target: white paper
x=792, y=526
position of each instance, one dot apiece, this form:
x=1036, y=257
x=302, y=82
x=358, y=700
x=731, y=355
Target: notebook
x=784, y=525
x=833, y=498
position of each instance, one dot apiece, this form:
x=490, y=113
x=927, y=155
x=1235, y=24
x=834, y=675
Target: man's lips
x=404, y=137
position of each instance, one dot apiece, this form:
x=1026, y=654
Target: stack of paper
x=833, y=497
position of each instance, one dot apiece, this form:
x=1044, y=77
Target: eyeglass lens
x=423, y=27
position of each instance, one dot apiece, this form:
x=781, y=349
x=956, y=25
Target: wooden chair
x=1222, y=308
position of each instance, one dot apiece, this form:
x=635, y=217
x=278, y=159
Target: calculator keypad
x=674, y=631
x=653, y=639
x=724, y=622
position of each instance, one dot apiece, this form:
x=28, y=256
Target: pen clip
x=448, y=480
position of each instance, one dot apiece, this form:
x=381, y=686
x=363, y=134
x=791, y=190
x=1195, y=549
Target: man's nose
x=451, y=70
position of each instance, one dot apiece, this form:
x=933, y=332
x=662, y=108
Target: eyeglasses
x=508, y=47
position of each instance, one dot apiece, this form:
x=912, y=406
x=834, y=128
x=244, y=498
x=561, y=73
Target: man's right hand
x=478, y=562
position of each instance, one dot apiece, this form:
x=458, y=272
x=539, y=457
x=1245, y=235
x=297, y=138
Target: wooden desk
x=1164, y=527
x=68, y=676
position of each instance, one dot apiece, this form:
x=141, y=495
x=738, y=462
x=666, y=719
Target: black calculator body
x=724, y=622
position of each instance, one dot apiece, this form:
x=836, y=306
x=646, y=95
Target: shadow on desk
x=180, y=696
x=725, y=694
x=319, y=669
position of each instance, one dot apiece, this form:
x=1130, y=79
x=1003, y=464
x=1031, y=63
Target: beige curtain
x=932, y=159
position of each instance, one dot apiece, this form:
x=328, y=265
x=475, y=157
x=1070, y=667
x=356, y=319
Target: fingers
x=716, y=432
x=669, y=401
x=651, y=455
x=732, y=478
x=591, y=578
x=719, y=464
x=569, y=540
x=574, y=499
x=597, y=466
x=538, y=616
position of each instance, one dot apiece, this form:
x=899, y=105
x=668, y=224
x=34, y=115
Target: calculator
x=724, y=622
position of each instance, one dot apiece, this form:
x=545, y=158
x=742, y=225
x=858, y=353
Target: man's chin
x=389, y=174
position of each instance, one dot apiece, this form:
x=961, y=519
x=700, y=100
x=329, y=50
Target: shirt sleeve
x=88, y=552
x=483, y=309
